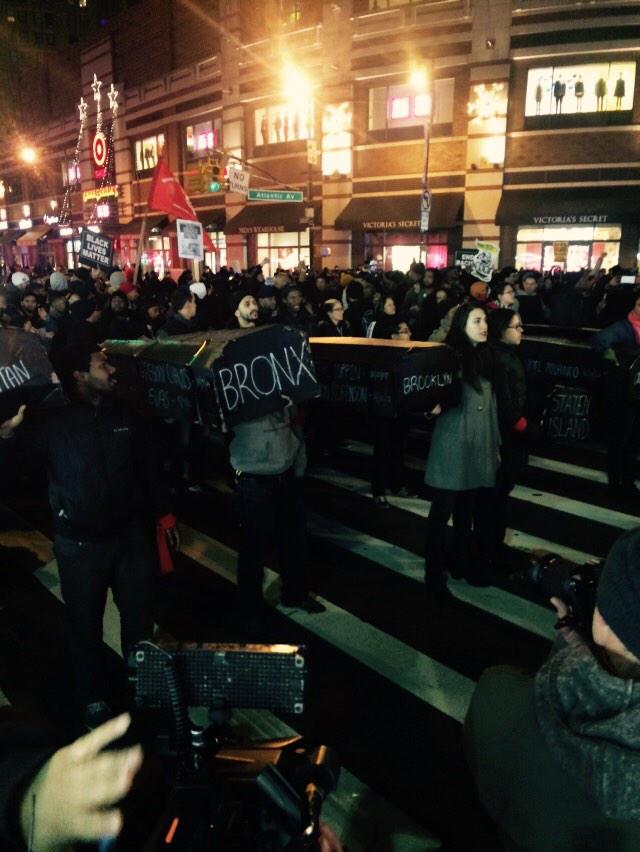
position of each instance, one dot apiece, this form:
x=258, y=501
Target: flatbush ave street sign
x=273, y=195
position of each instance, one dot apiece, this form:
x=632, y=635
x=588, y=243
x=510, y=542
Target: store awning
x=268, y=218
x=213, y=220
x=132, y=228
x=575, y=206
x=400, y=213
x=33, y=236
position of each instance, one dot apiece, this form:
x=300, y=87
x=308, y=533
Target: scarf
x=590, y=720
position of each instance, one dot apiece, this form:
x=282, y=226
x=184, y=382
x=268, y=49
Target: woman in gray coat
x=464, y=454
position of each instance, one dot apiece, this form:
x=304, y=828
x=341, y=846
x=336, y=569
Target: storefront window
x=285, y=250
x=72, y=248
x=571, y=248
x=574, y=89
x=283, y=123
x=218, y=258
x=148, y=151
x=203, y=138
x=401, y=106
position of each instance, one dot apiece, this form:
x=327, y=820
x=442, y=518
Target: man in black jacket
x=182, y=320
x=105, y=497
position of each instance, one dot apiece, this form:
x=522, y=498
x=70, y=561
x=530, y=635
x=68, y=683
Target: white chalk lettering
x=302, y=366
x=15, y=375
x=254, y=381
x=238, y=369
x=278, y=366
x=227, y=386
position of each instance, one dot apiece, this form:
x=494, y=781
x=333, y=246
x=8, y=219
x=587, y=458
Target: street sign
x=312, y=152
x=238, y=179
x=425, y=209
x=274, y=195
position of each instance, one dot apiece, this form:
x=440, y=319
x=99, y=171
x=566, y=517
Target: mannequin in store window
x=578, y=90
x=264, y=130
x=538, y=95
x=559, y=91
x=601, y=93
x=277, y=126
x=618, y=92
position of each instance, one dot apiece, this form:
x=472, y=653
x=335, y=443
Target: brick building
x=530, y=114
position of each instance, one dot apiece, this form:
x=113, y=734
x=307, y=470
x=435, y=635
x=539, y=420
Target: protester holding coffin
x=268, y=457
x=464, y=454
x=106, y=495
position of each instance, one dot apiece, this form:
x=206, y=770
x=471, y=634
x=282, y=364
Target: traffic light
x=215, y=176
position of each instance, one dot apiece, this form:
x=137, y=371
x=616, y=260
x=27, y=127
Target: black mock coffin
x=216, y=377
x=26, y=374
x=385, y=378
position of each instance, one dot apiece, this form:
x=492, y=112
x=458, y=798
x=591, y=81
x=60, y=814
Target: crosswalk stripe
x=443, y=688
x=509, y=607
x=589, y=512
x=515, y=538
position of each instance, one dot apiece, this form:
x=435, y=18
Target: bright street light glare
x=418, y=79
x=28, y=154
x=296, y=86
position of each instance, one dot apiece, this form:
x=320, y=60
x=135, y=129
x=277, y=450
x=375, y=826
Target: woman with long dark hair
x=505, y=336
x=464, y=453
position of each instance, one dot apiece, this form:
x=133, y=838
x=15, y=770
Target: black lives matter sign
x=95, y=249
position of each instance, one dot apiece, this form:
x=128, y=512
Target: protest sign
x=26, y=374
x=190, y=239
x=95, y=249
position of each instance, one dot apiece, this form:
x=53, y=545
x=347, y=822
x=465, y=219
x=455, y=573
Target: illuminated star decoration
x=112, y=94
x=82, y=109
x=488, y=102
x=96, y=88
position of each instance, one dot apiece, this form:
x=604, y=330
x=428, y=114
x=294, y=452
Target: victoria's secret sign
x=584, y=219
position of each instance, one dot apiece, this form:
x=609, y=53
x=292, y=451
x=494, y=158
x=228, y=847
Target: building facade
x=523, y=115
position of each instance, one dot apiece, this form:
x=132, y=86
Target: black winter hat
x=236, y=297
x=618, y=592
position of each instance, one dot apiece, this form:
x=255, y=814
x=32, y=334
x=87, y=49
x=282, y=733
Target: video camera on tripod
x=256, y=797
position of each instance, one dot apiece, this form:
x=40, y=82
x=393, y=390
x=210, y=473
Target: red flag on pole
x=168, y=196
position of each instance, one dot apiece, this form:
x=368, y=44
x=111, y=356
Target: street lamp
x=28, y=155
x=298, y=93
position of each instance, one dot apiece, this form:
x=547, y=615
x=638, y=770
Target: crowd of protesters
x=477, y=453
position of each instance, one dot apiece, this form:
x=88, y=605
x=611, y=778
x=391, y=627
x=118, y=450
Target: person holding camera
x=556, y=755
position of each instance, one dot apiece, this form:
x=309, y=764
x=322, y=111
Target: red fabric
x=168, y=196
x=520, y=425
x=166, y=522
x=634, y=319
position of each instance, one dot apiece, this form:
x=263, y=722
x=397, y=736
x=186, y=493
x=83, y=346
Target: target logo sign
x=99, y=149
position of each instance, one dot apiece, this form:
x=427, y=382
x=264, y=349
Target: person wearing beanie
x=268, y=310
x=478, y=292
x=556, y=755
x=116, y=280
x=244, y=308
x=58, y=282
x=198, y=289
x=183, y=313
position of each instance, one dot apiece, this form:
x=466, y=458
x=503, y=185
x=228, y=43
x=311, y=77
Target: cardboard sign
x=255, y=372
x=95, y=249
x=190, y=239
x=26, y=374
